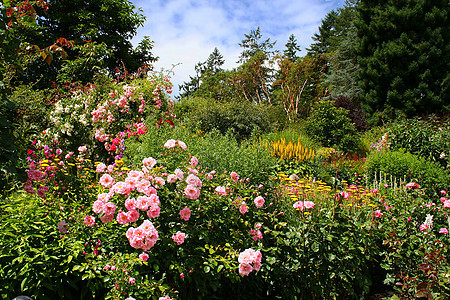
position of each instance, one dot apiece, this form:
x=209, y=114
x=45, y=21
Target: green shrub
x=332, y=127
x=429, y=138
x=214, y=151
x=36, y=259
x=241, y=118
x=408, y=167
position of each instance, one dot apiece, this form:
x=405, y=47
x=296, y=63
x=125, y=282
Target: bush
x=429, y=138
x=407, y=167
x=243, y=119
x=214, y=151
x=332, y=127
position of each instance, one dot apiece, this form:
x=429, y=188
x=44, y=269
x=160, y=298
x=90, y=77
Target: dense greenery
x=260, y=182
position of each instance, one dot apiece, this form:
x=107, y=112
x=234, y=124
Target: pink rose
x=170, y=144
x=149, y=162
x=131, y=280
x=89, y=221
x=182, y=145
x=185, y=214
x=179, y=238
x=101, y=167
x=82, y=148
x=221, y=190
x=144, y=256
x=194, y=161
x=243, y=208
x=191, y=192
x=234, y=176
x=443, y=231
x=259, y=201
x=106, y=180
x=245, y=269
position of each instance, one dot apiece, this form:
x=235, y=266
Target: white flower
x=429, y=220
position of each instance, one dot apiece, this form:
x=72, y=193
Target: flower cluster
x=249, y=260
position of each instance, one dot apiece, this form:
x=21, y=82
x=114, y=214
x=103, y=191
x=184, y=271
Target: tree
x=106, y=26
x=208, y=68
x=252, y=45
x=404, y=55
x=291, y=48
x=298, y=85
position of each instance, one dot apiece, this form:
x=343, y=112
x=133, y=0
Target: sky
x=185, y=32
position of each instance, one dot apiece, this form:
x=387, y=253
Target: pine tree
x=252, y=44
x=205, y=69
x=291, y=48
x=404, y=55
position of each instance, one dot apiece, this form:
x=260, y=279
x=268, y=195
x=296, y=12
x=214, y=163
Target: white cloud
x=186, y=31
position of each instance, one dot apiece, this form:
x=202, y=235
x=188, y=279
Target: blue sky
x=185, y=32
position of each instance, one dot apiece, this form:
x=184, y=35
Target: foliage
x=401, y=165
x=243, y=119
x=332, y=127
x=38, y=253
x=297, y=85
x=428, y=138
x=405, y=62
x=97, y=25
x=252, y=161
x=415, y=240
x=355, y=112
x=204, y=69
x=252, y=45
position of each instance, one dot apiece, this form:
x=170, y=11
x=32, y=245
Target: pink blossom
x=412, y=185
x=447, y=203
x=179, y=174
x=179, y=238
x=182, y=145
x=221, y=190
x=243, y=208
x=159, y=181
x=234, y=176
x=165, y=298
x=82, y=148
x=131, y=203
x=245, y=269
x=378, y=213
x=259, y=201
x=106, y=180
x=144, y=256
x=194, y=161
x=443, y=230
x=101, y=167
x=258, y=225
x=62, y=226
x=153, y=211
x=194, y=180
x=107, y=218
x=443, y=192
x=89, y=221
x=120, y=187
x=149, y=162
x=131, y=280
x=423, y=227
x=133, y=215
x=170, y=144
x=344, y=195
x=191, y=192
x=171, y=178
x=143, y=202
x=185, y=213
x=109, y=208
x=122, y=218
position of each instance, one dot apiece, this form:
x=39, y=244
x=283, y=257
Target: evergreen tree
x=291, y=48
x=404, y=55
x=208, y=68
x=252, y=44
